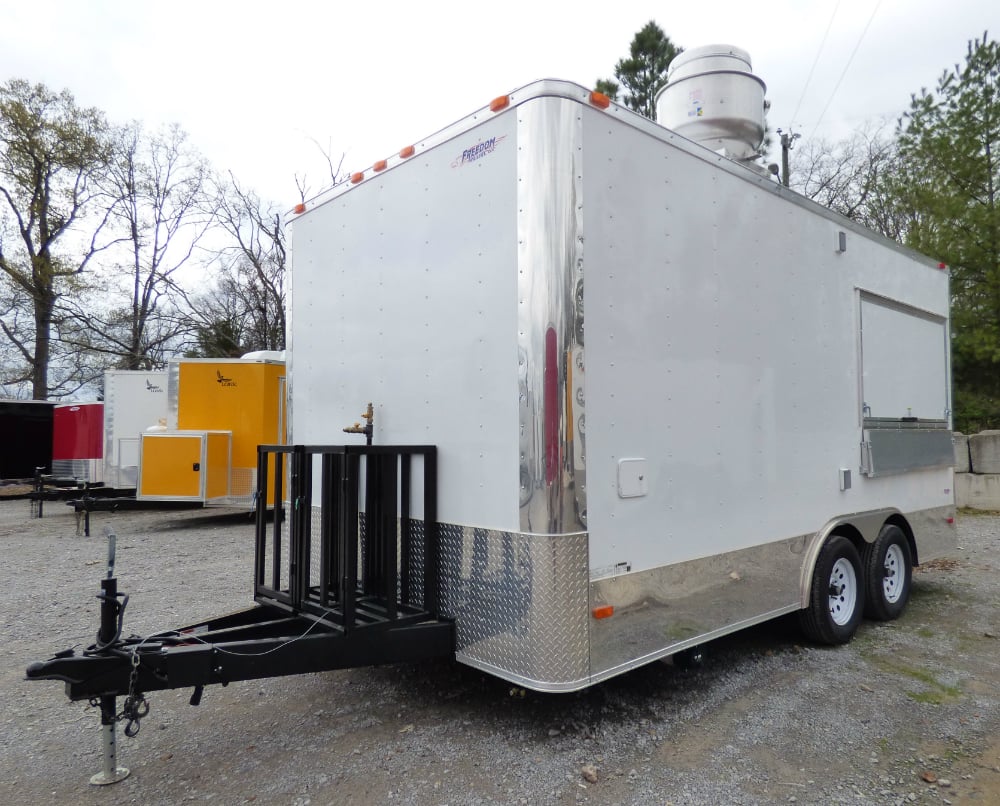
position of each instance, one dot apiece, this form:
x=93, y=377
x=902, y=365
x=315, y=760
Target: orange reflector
x=379, y=166
x=355, y=178
x=604, y=611
x=499, y=103
x=600, y=100
x=407, y=152
x=298, y=209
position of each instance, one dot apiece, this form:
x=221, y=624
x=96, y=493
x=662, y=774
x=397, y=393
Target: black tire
x=837, y=594
x=888, y=565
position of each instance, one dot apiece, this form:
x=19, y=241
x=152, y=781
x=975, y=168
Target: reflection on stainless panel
x=550, y=312
x=662, y=610
x=935, y=533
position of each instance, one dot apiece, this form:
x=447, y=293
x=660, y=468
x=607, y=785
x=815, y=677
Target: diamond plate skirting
x=520, y=604
x=520, y=601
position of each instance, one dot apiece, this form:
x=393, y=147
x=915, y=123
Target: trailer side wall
x=404, y=294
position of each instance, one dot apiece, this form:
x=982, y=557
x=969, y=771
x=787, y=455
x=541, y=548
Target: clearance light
x=355, y=178
x=604, y=611
x=942, y=265
x=949, y=521
x=599, y=99
x=409, y=151
x=299, y=208
x=379, y=166
x=502, y=102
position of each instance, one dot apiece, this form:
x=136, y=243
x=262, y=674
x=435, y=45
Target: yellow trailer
x=185, y=466
x=219, y=411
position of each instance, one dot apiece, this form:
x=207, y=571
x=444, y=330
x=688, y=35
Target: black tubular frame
x=351, y=618
x=366, y=535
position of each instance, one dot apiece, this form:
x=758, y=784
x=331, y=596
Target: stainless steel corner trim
x=112, y=462
x=173, y=393
x=550, y=314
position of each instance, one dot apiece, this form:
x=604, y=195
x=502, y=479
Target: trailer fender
x=860, y=528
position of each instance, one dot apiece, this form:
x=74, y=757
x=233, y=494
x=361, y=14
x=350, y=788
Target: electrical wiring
x=846, y=68
x=812, y=69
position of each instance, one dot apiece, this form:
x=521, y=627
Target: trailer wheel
x=836, y=600
x=888, y=573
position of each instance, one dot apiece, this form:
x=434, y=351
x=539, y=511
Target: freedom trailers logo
x=481, y=149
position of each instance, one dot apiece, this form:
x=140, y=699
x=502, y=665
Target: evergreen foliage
x=644, y=73
x=949, y=145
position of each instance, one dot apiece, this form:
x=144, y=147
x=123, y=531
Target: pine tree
x=949, y=144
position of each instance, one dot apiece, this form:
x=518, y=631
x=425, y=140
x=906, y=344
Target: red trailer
x=78, y=441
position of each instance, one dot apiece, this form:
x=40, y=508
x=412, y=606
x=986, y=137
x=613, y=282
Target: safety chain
x=135, y=707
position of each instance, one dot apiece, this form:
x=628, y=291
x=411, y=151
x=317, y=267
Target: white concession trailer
x=670, y=398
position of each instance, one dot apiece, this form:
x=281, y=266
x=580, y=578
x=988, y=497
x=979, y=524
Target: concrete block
x=984, y=452
x=961, y=443
x=977, y=491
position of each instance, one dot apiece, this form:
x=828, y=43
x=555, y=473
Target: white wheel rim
x=843, y=592
x=894, y=574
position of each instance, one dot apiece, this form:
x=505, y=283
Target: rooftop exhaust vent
x=712, y=97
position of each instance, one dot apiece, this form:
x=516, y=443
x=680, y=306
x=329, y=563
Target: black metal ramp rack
x=346, y=572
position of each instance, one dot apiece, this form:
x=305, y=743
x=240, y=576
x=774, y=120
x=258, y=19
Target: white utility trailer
x=134, y=402
x=670, y=398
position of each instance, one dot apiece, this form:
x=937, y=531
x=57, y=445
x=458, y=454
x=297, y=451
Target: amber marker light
x=599, y=99
x=379, y=166
x=409, y=151
x=299, y=208
x=502, y=102
x=355, y=178
x=604, y=611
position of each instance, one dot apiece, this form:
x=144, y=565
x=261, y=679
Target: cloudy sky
x=258, y=85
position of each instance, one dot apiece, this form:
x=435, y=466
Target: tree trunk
x=44, y=305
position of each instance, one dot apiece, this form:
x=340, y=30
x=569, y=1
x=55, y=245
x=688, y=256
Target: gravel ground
x=909, y=712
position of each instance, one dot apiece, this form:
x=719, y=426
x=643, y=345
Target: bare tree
x=854, y=177
x=221, y=329
x=251, y=287
x=54, y=214
x=333, y=172
x=160, y=186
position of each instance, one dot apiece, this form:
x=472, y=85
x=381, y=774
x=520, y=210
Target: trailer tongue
x=336, y=586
